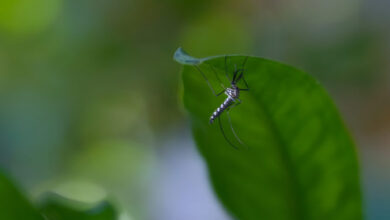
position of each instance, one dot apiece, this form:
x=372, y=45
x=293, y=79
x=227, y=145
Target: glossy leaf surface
x=298, y=161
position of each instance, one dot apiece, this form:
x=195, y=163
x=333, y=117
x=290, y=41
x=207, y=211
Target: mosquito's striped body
x=232, y=100
x=232, y=94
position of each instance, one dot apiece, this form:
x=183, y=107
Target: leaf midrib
x=297, y=192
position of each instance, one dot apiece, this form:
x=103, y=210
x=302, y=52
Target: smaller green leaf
x=56, y=207
x=13, y=204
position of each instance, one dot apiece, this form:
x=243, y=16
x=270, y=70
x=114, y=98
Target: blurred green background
x=89, y=94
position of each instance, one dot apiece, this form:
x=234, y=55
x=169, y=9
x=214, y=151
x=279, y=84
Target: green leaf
x=13, y=204
x=297, y=160
x=56, y=207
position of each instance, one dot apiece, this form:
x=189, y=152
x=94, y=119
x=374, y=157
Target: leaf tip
x=182, y=57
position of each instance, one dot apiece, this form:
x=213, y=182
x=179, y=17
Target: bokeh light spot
x=82, y=191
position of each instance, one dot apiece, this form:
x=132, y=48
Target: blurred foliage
x=343, y=63
x=301, y=162
x=83, y=82
x=13, y=204
x=51, y=206
x=24, y=17
x=219, y=30
x=56, y=207
x=128, y=184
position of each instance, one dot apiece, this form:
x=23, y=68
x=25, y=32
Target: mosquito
x=233, y=97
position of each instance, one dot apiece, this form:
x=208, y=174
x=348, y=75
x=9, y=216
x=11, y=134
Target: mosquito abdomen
x=228, y=101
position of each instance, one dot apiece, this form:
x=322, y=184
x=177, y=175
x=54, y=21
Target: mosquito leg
x=224, y=135
x=226, y=69
x=220, y=93
x=246, y=84
x=243, y=63
x=216, y=75
x=243, y=79
x=208, y=82
x=231, y=124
